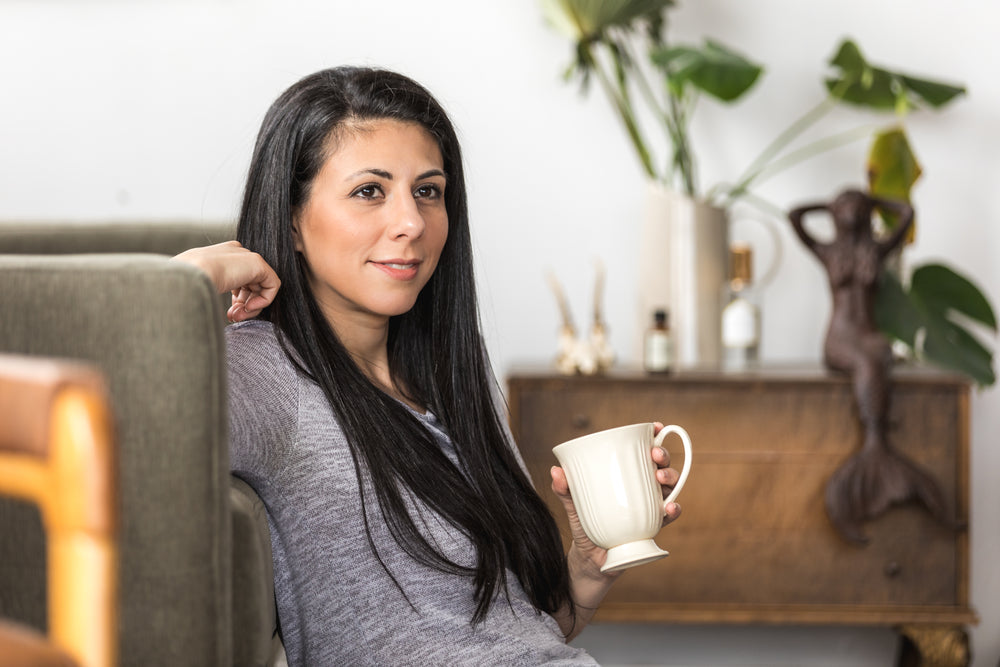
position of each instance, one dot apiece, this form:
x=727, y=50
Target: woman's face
x=372, y=230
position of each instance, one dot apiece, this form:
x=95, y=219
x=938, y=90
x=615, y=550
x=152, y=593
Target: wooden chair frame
x=57, y=451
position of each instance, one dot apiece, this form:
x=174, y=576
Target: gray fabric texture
x=336, y=604
x=253, y=578
x=48, y=237
x=70, y=238
x=153, y=327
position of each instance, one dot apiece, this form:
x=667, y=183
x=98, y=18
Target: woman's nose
x=407, y=219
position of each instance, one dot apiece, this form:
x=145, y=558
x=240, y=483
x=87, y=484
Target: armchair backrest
x=47, y=237
x=154, y=328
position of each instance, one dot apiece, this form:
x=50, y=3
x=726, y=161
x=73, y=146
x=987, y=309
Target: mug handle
x=686, y=441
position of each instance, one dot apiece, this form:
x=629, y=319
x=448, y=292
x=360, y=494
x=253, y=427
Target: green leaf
x=951, y=346
x=861, y=83
x=713, y=69
x=876, y=90
x=936, y=295
x=849, y=59
x=934, y=93
x=895, y=314
x=941, y=289
x=586, y=20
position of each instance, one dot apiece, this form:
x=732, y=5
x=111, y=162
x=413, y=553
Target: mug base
x=632, y=554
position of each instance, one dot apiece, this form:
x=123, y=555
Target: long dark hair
x=435, y=350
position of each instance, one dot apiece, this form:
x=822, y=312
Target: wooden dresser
x=754, y=544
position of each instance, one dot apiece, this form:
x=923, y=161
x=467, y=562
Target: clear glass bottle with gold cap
x=740, y=312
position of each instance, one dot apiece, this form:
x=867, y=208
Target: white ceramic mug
x=612, y=478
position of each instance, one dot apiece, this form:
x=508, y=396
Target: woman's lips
x=398, y=269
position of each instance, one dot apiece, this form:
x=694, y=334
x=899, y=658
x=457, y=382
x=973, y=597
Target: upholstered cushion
x=253, y=578
x=46, y=237
x=63, y=238
x=153, y=326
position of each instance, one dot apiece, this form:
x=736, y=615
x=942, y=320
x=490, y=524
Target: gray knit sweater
x=336, y=604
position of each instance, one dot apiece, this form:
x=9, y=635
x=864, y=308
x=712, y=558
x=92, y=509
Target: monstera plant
x=623, y=44
x=930, y=314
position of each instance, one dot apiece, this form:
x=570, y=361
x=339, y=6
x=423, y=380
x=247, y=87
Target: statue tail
x=872, y=481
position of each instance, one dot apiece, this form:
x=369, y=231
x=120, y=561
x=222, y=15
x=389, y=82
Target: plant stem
x=782, y=140
x=683, y=159
x=779, y=143
x=624, y=112
x=672, y=119
x=642, y=81
x=813, y=149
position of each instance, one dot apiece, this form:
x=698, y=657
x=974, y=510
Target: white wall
x=147, y=109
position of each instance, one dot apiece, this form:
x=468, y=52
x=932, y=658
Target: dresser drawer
x=754, y=533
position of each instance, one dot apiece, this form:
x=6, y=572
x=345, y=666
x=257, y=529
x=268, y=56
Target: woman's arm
x=233, y=268
x=588, y=585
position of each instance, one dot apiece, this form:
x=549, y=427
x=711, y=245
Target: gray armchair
x=196, y=583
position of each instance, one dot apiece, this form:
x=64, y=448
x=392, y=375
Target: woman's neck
x=367, y=341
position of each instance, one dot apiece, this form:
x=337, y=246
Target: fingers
x=671, y=511
x=248, y=302
x=232, y=268
x=661, y=457
x=238, y=310
x=668, y=477
x=560, y=486
x=665, y=475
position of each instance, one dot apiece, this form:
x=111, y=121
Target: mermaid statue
x=878, y=476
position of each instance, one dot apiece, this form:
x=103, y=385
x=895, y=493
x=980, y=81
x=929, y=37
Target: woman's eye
x=428, y=191
x=369, y=191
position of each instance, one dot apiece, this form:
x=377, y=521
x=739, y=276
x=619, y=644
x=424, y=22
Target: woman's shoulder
x=260, y=331
x=252, y=338
x=253, y=349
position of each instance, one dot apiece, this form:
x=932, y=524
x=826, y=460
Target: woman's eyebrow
x=432, y=172
x=382, y=173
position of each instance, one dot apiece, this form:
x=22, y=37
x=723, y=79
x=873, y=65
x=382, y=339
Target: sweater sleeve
x=263, y=401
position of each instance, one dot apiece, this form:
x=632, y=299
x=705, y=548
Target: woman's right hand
x=232, y=268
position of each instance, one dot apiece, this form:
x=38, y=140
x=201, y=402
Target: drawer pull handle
x=892, y=569
x=580, y=421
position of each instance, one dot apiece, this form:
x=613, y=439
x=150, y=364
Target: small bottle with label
x=740, y=312
x=658, y=348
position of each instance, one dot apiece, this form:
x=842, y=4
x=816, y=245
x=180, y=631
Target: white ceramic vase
x=683, y=261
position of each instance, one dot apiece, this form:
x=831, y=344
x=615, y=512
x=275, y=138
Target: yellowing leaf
x=892, y=171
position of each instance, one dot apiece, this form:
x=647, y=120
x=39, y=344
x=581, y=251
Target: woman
x=364, y=412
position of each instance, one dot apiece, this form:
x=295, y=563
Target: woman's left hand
x=233, y=268
x=593, y=556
